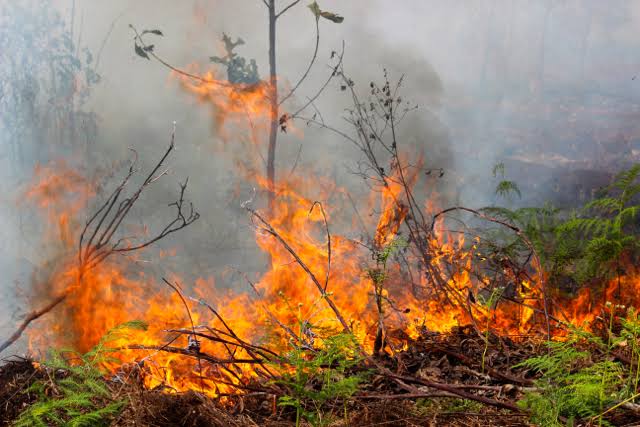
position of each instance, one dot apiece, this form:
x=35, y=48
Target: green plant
x=504, y=188
x=594, y=240
x=320, y=376
x=75, y=394
x=579, y=379
x=630, y=333
x=572, y=386
x=378, y=276
x=585, y=244
x=538, y=224
x=489, y=303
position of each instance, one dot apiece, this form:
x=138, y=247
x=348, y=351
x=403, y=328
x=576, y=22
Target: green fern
x=579, y=379
x=593, y=241
x=586, y=244
x=76, y=395
x=572, y=386
x=321, y=376
x=505, y=188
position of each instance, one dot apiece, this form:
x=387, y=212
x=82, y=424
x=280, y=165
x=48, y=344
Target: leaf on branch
x=156, y=32
x=140, y=51
x=317, y=12
x=506, y=188
x=315, y=9
x=283, y=122
x=332, y=17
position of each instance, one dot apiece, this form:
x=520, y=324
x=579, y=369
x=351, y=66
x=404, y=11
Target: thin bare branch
x=30, y=318
x=283, y=11
x=306, y=73
x=270, y=230
x=334, y=71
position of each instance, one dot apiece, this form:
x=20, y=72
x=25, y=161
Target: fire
x=240, y=113
x=286, y=297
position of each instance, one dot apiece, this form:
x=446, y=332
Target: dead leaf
x=317, y=12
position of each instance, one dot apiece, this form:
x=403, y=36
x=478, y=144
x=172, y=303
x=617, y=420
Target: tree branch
x=30, y=318
x=270, y=230
x=306, y=73
x=286, y=8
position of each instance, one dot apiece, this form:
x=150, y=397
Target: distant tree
x=45, y=82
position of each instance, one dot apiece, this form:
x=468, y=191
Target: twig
x=491, y=371
x=455, y=390
x=326, y=227
x=270, y=230
x=334, y=71
x=30, y=318
x=286, y=8
x=192, y=340
x=306, y=73
x=186, y=352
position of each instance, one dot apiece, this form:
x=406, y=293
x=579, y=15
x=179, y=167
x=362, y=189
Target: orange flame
x=117, y=290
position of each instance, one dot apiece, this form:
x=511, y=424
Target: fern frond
x=84, y=398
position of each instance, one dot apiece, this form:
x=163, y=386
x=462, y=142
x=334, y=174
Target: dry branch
x=106, y=221
x=30, y=318
x=266, y=227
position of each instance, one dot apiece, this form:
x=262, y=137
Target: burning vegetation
x=428, y=314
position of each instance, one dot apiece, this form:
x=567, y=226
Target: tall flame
x=117, y=290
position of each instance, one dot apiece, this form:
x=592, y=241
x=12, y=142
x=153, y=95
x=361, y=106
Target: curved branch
x=283, y=11
x=306, y=73
x=138, y=38
x=334, y=71
x=30, y=318
x=268, y=228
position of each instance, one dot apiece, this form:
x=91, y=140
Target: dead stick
x=468, y=361
x=404, y=396
x=450, y=389
x=189, y=353
x=269, y=229
x=30, y=318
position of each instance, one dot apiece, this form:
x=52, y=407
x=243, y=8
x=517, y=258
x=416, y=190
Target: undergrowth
x=320, y=377
x=582, y=245
x=579, y=378
x=74, y=394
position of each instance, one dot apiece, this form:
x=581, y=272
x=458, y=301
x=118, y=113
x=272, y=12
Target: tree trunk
x=273, y=95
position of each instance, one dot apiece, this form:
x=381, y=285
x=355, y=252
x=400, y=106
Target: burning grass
x=449, y=388
x=437, y=358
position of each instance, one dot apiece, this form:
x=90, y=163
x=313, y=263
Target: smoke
x=542, y=86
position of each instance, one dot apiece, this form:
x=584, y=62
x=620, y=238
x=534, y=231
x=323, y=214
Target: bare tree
x=276, y=117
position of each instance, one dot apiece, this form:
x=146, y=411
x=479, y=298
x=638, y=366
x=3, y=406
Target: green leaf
x=505, y=188
x=140, y=52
